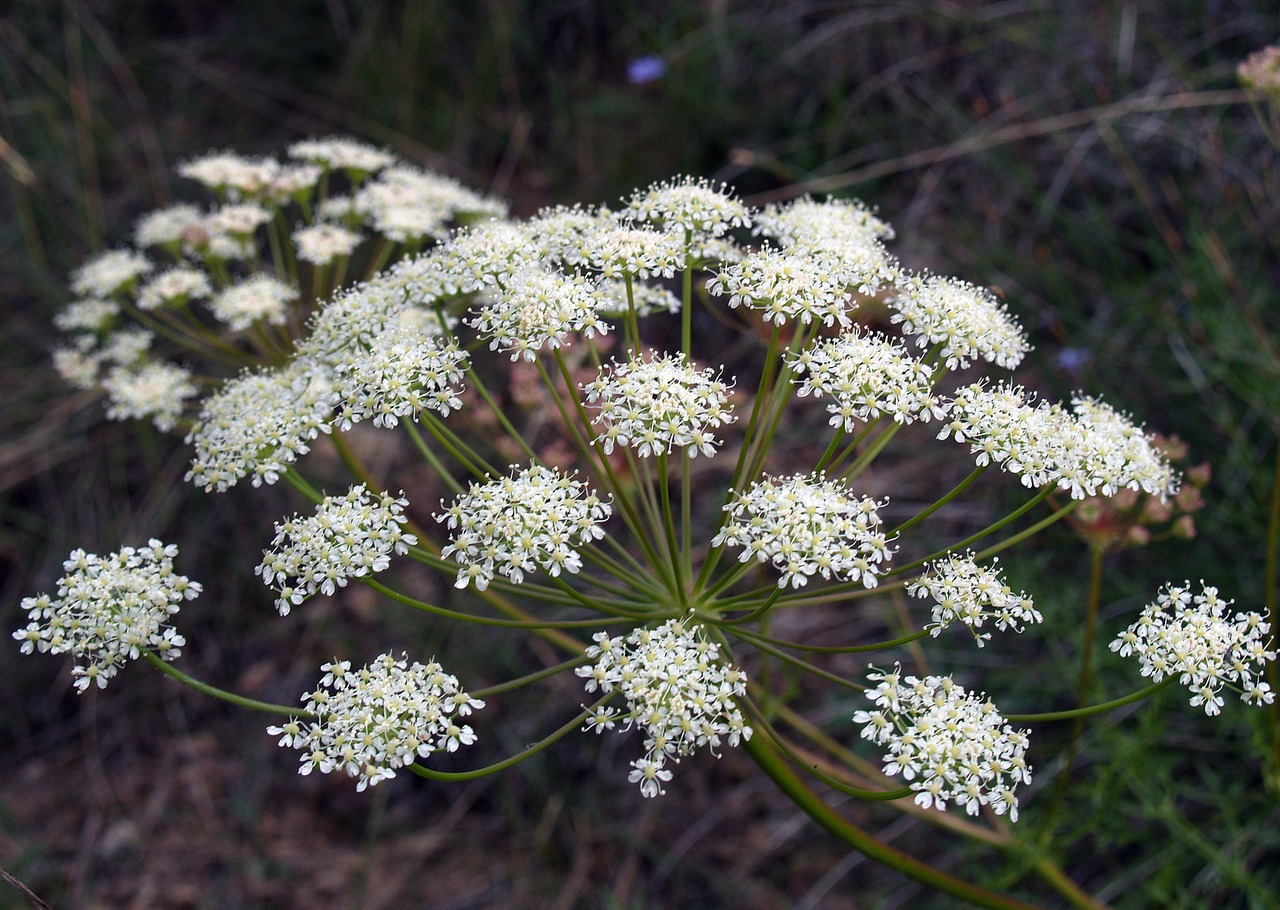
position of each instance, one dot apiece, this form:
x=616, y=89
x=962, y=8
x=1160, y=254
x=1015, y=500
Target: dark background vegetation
x=1095, y=162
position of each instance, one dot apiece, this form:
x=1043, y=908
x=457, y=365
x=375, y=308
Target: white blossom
x=678, y=692
x=157, y=390
x=947, y=743
x=372, y=721
x=107, y=273
x=259, y=298
x=346, y=537
x=967, y=321
x=534, y=519
x=962, y=591
x=109, y=610
x=1191, y=635
x=807, y=525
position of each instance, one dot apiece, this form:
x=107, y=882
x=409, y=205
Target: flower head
x=347, y=537
x=404, y=370
x=677, y=691
x=804, y=526
x=342, y=153
x=690, y=204
x=109, y=610
x=967, y=321
x=513, y=525
x=785, y=286
x=156, y=390
x=1193, y=636
x=379, y=718
x=259, y=423
x=174, y=286
x=948, y=743
x=259, y=298
x=108, y=273
x=962, y=591
x=167, y=227
x=655, y=404
x=867, y=376
x=320, y=244
x=536, y=308
x=231, y=174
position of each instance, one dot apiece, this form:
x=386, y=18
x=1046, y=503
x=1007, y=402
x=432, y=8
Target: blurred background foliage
x=1093, y=162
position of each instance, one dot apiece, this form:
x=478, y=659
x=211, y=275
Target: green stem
x=1093, y=709
x=481, y=620
x=833, y=823
x=251, y=703
x=955, y=491
x=525, y=680
x=1271, y=597
x=513, y=760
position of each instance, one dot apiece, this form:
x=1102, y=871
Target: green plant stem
x=251, y=703
x=773, y=765
x=482, y=620
x=528, y=678
x=843, y=649
x=761, y=643
x=430, y=457
x=955, y=491
x=1088, y=710
x=503, y=765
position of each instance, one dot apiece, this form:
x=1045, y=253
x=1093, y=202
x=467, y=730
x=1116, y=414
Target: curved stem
x=835, y=824
x=1093, y=709
x=503, y=765
x=482, y=620
x=251, y=703
x=955, y=491
x=525, y=680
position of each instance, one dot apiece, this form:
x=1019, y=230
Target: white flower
x=107, y=273
x=167, y=227
x=238, y=220
x=656, y=404
x=109, y=610
x=481, y=257
x=342, y=153
x=176, y=285
x=962, y=591
x=689, y=204
x=404, y=370
x=78, y=364
x=806, y=223
x=867, y=376
x=534, y=308
x=1110, y=453
x=259, y=423
x=92, y=315
x=967, y=321
x=563, y=236
x=618, y=251
x=677, y=690
x=255, y=299
x=232, y=174
x=804, y=526
x=513, y=525
x=126, y=347
x=1192, y=636
x=785, y=286
x=379, y=718
x=320, y=244
x=408, y=204
x=947, y=743
x=155, y=390
x=347, y=537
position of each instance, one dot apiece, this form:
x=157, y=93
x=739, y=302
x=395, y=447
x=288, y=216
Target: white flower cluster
x=167, y=227
x=616, y=252
x=257, y=298
x=409, y=205
x=804, y=526
x=404, y=370
x=807, y=223
x=535, y=308
x=175, y=285
x=379, y=718
x=108, y=273
x=259, y=423
x=962, y=591
x=967, y=321
x=677, y=690
x=513, y=525
x=1095, y=450
x=647, y=298
x=784, y=286
x=232, y=175
x=1193, y=636
x=659, y=403
x=342, y=153
x=320, y=244
x=156, y=390
x=110, y=609
x=347, y=537
x=697, y=206
x=949, y=744
x=868, y=376
x=91, y=315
